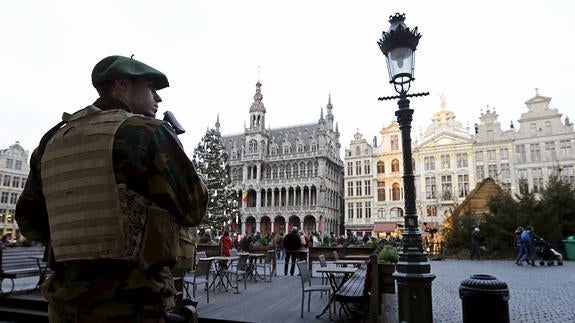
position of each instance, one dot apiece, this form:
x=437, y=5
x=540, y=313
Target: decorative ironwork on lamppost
x=413, y=271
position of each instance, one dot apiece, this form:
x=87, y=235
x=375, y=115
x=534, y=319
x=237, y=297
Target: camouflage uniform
x=149, y=159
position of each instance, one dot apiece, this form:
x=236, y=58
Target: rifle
x=171, y=119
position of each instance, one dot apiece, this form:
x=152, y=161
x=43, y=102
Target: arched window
x=395, y=166
x=358, y=150
x=268, y=172
x=381, y=191
x=313, y=147
x=394, y=142
x=395, y=192
x=274, y=172
x=253, y=146
x=380, y=167
x=380, y=213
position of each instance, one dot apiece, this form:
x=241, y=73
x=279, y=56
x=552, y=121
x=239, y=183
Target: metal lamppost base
x=414, y=297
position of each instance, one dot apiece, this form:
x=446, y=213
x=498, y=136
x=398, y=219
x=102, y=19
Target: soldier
x=110, y=188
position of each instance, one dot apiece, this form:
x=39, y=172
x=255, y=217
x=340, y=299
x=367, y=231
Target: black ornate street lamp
x=413, y=272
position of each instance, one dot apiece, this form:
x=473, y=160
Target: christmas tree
x=211, y=162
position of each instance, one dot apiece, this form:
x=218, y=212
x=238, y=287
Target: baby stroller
x=547, y=254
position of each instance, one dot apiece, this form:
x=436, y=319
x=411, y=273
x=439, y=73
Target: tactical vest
x=90, y=216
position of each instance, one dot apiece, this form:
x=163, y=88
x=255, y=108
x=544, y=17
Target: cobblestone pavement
x=537, y=294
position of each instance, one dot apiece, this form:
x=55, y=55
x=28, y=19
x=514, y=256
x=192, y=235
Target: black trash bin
x=484, y=299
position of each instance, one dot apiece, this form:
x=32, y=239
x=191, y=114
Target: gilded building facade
x=444, y=167
x=522, y=160
x=13, y=174
x=287, y=176
x=450, y=160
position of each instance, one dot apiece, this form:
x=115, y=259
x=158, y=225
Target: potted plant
x=387, y=257
x=264, y=241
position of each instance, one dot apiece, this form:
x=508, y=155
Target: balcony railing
x=272, y=209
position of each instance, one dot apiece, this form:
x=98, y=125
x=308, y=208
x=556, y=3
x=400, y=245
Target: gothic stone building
x=291, y=176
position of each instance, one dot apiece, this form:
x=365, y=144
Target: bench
x=16, y=262
x=353, y=291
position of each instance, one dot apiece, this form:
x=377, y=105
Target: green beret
x=113, y=67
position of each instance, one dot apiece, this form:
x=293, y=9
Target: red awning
x=385, y=227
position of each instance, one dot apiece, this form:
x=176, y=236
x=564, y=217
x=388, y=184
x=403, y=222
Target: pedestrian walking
x=475, y=243
x=280, y=246
x=304, y=249
x=225, y=244
x=292, y=245
x=526, y=247
x=531, y=252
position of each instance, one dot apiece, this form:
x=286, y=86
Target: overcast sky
x=474, y=53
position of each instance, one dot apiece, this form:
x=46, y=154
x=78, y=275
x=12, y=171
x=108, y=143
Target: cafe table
x=222, y=263
x=357, y=257
x=251, y=271
x=332, y=273
x=345, y=262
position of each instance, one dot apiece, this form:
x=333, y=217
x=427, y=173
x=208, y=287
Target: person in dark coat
x=518, y=248
x=475, y=241
x=292, y=245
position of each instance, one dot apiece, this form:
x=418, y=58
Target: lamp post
x=413, y=272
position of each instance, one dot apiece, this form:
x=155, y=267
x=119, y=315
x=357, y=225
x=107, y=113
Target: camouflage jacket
x=149, y=160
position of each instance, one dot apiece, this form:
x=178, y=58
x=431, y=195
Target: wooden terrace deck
x=276, y=301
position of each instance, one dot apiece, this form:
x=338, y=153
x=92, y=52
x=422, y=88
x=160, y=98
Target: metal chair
x=199, y=276
x=239, y=271
x=200, y=254
x=336, y=257
x=324, y=278
x=268, y=262
x=307, y=287
x=323, y=263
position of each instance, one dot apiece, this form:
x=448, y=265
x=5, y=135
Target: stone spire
x=257, y=110
x=218, y=123
x=329, y=115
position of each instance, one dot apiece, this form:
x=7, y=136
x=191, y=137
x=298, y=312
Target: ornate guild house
x=291, y=176
x=450, y=161
x=13, y=174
